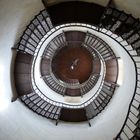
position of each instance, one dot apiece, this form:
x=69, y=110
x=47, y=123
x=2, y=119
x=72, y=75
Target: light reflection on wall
x=3, y=99
x=121, y=70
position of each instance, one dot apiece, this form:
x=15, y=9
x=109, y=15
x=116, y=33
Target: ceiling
x=129, y=6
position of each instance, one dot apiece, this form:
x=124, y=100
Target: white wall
x=15, y=15
x=129, y=6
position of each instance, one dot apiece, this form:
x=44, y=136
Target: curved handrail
x=129, y=108
x=64, y=104
x=62, y=83
x=27, y=28
x=136, y=77
x=131, y=59
x=48, y=97
x=135, y=84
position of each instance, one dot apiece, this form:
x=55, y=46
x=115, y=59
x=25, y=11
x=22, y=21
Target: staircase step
x=73, y=115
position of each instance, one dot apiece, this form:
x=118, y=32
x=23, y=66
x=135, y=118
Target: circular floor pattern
x=67, y=67
x=72, y=64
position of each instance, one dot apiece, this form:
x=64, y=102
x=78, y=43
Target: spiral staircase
x=47, y=35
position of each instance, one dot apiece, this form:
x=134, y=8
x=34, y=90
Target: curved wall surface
x=18, y=122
